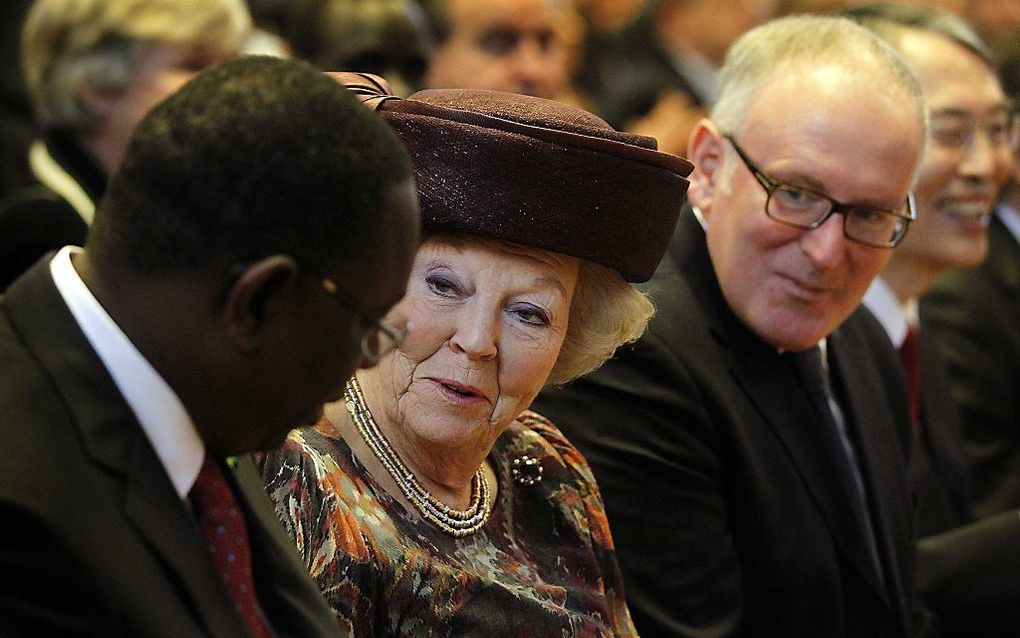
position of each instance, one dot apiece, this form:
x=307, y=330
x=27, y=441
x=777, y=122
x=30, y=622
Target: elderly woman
x=430, y=501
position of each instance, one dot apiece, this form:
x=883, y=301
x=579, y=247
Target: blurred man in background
x=93, y=68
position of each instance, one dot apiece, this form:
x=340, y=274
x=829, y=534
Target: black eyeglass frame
x=371, y=354
x=771, y=186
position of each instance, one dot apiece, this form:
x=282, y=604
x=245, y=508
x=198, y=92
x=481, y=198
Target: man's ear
x=256, y=293
x=706, y=151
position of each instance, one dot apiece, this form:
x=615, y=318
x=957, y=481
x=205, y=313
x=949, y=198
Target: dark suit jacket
x=97, y=542
x=35, y=220
x=970, y=575
x=968, y=572
x=937, y=468
x=975, y=317
x=728, y=509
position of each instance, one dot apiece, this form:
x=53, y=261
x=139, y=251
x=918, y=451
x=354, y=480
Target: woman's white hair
x=605, y=313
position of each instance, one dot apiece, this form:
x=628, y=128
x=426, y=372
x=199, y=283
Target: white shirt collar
x=1010, y=217
x=895, y=317
x=698, y=215
x=160, y=412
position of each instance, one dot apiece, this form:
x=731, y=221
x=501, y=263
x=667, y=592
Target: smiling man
x=965, y=164
x=750, y=447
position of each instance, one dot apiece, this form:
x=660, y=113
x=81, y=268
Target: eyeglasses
x=956, y=129
x=380, y=338
x=805, y=208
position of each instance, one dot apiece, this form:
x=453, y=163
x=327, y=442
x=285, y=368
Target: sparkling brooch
x=526, y=470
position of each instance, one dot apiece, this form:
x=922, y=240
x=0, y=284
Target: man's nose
x=980, y=155
x=826, y=244
x=534, y=65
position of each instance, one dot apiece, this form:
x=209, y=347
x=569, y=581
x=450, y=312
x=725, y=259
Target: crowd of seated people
x=692, y=318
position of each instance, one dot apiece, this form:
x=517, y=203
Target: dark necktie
x=814, y=379
x=910, y=355
x=222, y=524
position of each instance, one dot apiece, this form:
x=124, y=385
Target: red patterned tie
x=910, y=355
x=222, y=524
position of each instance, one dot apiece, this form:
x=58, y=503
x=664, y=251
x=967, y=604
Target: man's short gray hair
x=68, y=44
x=792, y=44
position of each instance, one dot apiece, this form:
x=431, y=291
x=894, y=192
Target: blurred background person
x=967, y=570
x=664, y=75
x=386, y=37
x=975, y=315
x=995, y=20
x=500, y=45
x=17, y=126
x=517, y=46
x=430, y=501
x=93, y=68
x=601, y=57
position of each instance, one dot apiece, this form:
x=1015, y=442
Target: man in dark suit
x=756, y=486
x=974, y=315
x=965, y=164
x=260, y=224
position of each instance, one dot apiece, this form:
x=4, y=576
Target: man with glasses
x=751, y=446
x=974, y=316
x=967, y=570
x=199, y=323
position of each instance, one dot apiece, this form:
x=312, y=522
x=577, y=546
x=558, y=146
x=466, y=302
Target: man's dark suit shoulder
x=973, y=317
x=100, y=543
x=34, y=221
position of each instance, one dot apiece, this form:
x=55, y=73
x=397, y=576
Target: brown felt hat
x=539, y=173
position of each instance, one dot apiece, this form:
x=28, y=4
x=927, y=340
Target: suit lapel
x=169, y=528
x=869, y=424
x=816, y=450
x=112, y=437
x=942, y=432
x=1004, y=259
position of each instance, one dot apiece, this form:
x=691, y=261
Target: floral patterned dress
x=543, y=565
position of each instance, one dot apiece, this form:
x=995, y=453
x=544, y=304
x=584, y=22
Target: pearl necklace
x=457, y=523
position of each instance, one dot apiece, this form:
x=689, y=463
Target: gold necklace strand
x=393, y=464
x=380, y=445
x=457, y=523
